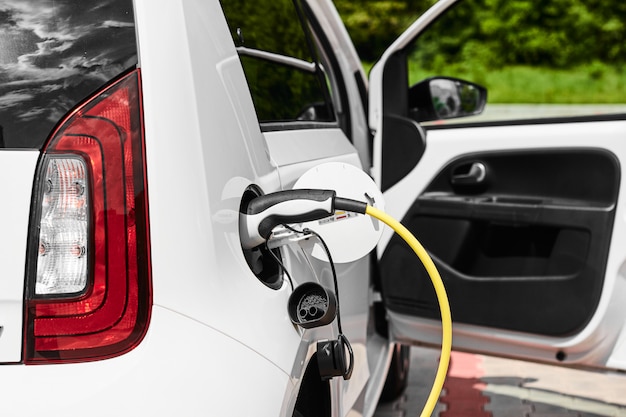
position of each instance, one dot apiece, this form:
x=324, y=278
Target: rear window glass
x=54, y=54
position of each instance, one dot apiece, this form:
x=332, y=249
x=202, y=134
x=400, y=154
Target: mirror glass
x=454, y=98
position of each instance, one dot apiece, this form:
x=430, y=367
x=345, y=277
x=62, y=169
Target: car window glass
x=286, y=82
x=53, y=55
x=538, y=60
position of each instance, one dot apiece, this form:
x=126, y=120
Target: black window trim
x=297, y=125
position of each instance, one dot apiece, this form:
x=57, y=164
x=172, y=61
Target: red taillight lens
x=90, y=291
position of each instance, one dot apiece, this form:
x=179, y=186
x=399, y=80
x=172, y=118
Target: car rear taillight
x=89, y=289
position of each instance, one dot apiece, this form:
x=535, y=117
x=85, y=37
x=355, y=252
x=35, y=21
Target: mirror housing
x=439, y=98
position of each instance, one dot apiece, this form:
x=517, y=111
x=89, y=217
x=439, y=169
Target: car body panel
x=200, y=197
x=194, y=195
x=204, y=148
x=17, y=168
x=308, y=148
x=207, y=378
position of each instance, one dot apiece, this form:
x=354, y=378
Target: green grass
x=591, y=84
x=595, y=83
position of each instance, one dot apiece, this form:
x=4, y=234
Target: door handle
x=473, y=173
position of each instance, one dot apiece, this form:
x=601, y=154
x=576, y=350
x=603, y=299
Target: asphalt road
x=499, y=112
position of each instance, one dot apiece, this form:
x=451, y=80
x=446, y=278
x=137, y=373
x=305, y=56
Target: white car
x=136, y=132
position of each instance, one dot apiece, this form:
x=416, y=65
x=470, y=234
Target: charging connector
x=266, y=212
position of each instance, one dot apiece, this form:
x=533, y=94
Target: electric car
x=135, y=136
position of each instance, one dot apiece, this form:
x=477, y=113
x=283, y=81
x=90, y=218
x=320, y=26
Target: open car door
x=523, y=215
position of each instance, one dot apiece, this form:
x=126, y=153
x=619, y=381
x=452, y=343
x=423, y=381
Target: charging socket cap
x=350, y=236
x=311, y=305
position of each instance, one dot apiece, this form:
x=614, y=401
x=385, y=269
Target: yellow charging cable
x=444, y=306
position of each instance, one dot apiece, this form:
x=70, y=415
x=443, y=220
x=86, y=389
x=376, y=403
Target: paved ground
x=482, y=386
x=494, y=112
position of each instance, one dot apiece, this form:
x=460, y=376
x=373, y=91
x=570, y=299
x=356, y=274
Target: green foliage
x=374, y=24
x=556, y=33
x=280, y=92
x=590, y=83
x=524, y=51
x=269, y=25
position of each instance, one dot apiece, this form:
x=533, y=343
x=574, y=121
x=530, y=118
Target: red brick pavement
x=463, y=388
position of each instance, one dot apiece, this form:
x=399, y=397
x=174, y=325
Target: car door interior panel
x=521, y=239
x=407, y=138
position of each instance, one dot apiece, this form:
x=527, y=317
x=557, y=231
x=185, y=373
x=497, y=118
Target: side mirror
x=440, y=98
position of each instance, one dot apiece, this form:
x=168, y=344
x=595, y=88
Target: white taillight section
x=64, y=227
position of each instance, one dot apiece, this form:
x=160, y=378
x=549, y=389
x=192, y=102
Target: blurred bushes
x=375, y=24
x=555, y=33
